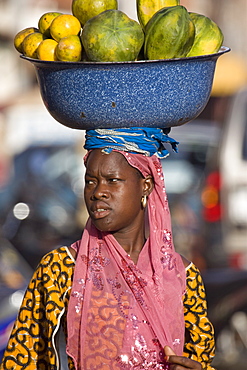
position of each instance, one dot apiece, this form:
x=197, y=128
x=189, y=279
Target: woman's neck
x=132, y=243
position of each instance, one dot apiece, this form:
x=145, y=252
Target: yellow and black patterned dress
x=32, y=344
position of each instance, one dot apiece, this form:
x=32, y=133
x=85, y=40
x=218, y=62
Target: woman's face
x=113, y=192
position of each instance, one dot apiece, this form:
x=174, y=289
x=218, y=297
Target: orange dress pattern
x=32, y=344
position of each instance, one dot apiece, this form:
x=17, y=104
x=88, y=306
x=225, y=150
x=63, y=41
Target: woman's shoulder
x=187, y=264
x=190, y=268
x=62, y=255
x=185, y=261
x=72, y=252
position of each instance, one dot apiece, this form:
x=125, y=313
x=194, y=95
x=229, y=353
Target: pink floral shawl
x=121, y=314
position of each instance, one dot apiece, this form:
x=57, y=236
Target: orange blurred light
x=210, y=197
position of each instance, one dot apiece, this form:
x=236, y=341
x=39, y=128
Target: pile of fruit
x=97, y=31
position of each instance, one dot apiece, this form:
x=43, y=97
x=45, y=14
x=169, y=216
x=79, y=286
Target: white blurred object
x=233, y=166
x=128, y=7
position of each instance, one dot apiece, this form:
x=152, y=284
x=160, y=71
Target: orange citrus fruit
x=69, y=49
x=86, y=9
x=20, y=36
x=47, y=50
x=31, y=43
x=64, y=25
x=45, y=22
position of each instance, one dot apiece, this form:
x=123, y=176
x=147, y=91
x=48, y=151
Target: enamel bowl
x=153, y=93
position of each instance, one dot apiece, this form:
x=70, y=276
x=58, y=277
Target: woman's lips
x=100, y=212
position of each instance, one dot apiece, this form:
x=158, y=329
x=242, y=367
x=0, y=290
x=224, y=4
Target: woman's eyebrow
x=88, y=174
x=108, y=174
x=113, y=173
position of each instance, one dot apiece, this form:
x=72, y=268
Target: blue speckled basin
x=159, y=93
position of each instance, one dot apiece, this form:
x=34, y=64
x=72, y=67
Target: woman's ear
x=148, y=185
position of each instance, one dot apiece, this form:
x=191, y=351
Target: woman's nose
x=100, y=191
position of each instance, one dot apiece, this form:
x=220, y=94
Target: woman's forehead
x=113, y=162
x=97, y=158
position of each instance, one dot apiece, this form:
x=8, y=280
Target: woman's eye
x=89, y=182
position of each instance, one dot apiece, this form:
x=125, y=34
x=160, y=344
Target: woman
x=130, y=305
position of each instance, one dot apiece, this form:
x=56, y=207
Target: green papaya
x=147, y=8
x=112, y=36
x=86, y=9
x=169, y=34
x=208, y=36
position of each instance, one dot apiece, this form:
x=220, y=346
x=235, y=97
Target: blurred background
x=41, y=175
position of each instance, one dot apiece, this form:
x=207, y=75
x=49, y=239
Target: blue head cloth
x=147, y=141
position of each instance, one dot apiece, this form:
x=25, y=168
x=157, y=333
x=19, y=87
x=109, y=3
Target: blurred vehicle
x=15, y=274
x=184, y=178
x=227, y=309
x=41, y=192
x=39, y=204
x=225, y=193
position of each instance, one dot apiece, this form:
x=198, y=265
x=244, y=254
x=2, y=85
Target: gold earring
x=144, y=201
